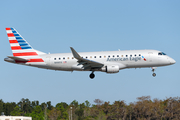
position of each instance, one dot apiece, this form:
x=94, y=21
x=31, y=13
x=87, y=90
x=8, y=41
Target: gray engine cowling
x=110, y=69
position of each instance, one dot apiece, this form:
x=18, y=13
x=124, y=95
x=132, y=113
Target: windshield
x=161, y=53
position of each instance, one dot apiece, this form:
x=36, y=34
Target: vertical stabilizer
x=21, y=48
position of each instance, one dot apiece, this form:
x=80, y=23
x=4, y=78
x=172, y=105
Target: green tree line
x=143, y=109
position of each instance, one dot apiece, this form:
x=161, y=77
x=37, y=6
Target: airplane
x=109, y=62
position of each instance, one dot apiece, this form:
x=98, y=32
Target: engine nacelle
x=110, y=69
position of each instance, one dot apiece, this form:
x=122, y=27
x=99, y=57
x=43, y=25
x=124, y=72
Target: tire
x=91, y=75
x=154, y=74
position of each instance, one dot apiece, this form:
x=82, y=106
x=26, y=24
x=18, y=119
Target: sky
x=55, y=26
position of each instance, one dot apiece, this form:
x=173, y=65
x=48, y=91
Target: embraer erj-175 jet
x=109, y=62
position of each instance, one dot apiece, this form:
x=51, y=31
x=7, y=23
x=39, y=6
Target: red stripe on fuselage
x=36, y=60
x=13, y=41
x=10, y=34
x=25, y=54
x=16, y=48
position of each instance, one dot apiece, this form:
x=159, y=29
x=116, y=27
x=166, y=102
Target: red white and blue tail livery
x=21, y=49
x=109, y=62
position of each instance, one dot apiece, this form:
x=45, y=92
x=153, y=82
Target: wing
x=87, y=64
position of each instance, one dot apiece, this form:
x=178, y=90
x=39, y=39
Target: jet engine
x=110, y=69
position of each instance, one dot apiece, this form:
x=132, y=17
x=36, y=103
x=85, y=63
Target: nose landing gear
x=153, y=69
x=92, y=75
x=154, y=74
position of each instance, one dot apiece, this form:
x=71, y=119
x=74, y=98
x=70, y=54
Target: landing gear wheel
x=154, y=74
x=92, y=75
x=153, y=69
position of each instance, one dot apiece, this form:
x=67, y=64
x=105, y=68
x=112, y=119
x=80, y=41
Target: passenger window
x=104, y=56
x=99, y=56
x=63, y=58
x=109, y=56
x=135, y=55
x=126, y=55
x=54, y=58
x=68, y=58
x=121, y=55
x=72, y=57
x=94, y=56
x=90, y=56
x=139, y=54
x=113, y=55
x=86, y=57
x=59, y=58
x=130, y=55
x=117, y=55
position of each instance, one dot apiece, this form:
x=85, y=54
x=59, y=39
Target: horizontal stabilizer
x=18, y=59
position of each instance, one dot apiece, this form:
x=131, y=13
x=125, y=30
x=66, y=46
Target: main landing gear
x=92, y=75
x=154, y=74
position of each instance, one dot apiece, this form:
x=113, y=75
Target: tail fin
x=20, y=47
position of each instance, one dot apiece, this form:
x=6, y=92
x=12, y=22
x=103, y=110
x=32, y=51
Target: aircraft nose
x=172, y=61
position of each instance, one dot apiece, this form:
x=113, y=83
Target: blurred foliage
x=143, y=109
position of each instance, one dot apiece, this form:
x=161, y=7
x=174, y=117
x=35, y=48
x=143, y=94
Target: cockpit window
x=161, y=53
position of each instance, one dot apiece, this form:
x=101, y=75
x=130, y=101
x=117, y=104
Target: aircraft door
x=150, y=56
x=48, y=60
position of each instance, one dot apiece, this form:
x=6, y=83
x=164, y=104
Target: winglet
x=83, y=61
x=75, y=54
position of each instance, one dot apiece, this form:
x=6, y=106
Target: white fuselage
x=123, y=59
